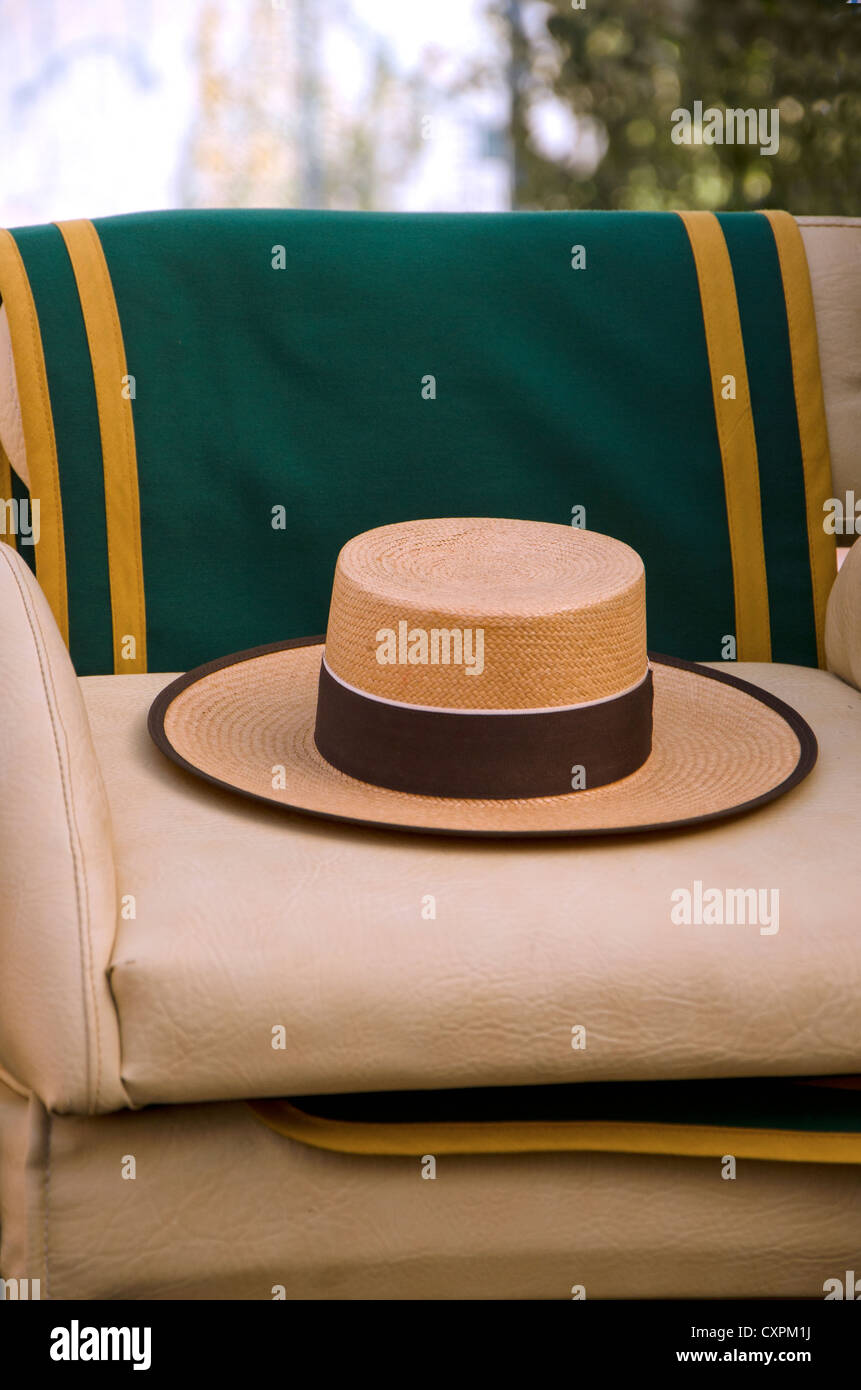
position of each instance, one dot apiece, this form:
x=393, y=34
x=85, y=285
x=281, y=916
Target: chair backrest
x=212, y=403
x=833, y=247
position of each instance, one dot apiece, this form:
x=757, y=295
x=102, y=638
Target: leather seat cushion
x=221, y=1207
x=247, y=920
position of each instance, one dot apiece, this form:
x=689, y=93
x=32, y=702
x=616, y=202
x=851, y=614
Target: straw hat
x=483, y=676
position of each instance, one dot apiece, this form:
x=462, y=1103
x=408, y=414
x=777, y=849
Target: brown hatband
x=482, y=754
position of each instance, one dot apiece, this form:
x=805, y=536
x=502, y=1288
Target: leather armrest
x=58, y=1027
x=843, y=620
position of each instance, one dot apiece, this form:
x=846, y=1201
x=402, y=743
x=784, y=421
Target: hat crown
x=487, y=614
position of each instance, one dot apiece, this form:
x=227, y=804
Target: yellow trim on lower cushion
x=810, y=408
x=38, y=425
x=559, y=1136
x=734, y=419
x=5, y=495
x=119, y=455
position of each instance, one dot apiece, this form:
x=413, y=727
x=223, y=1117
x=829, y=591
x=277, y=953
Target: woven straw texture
x=715, y=747
x=563, y=612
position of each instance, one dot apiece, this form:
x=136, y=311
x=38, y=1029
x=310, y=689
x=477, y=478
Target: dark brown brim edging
x=808, y=752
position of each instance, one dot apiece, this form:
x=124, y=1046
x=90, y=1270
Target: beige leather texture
x=843, y=620
x=11, y=428
x=220, y=1207
x=833, y=246
x=58, y=1027
x=249, y=919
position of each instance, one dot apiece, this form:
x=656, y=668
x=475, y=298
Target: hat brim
x=720, y=747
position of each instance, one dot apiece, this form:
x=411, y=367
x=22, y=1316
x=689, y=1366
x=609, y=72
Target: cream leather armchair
x=154, y=933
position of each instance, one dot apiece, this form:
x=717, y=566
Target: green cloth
x=301, y=387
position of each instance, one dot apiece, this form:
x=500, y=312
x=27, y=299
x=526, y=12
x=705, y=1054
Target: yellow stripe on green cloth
x=38, y=426
x=556, y=1136
x=119, y=456
x=810, y=409
x=735, y=428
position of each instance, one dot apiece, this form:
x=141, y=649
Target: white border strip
x=453, y=709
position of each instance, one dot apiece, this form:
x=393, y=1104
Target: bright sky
x=98, y=97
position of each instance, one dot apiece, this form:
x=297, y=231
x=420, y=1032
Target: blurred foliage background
x=618, y=71
x=111, y=106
